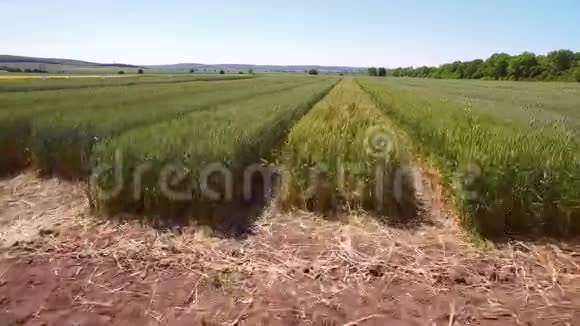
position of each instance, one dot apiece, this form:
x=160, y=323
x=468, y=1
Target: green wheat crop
x=333, y=157
x=507, y=177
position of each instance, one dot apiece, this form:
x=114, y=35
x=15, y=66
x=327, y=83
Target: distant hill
x=281, y=68
x=55, y=65
x=79, y=66
x=20, y=59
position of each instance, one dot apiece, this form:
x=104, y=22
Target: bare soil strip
x=60, y=266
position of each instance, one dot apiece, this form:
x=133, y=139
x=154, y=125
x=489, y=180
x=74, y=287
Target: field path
x=295, y=269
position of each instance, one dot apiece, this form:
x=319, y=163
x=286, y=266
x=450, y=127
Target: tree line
x=12, y=69
x=563, y=65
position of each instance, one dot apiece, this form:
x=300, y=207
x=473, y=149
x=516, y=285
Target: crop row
x=129, y=169
x=55, y=131
x=507, y=178
x=346, y=155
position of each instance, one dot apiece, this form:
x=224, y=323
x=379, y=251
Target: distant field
x=506, y=100
x=18, y=83
x=47, y=76
x=60, y=66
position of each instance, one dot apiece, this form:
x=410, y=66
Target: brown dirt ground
x=60, y=266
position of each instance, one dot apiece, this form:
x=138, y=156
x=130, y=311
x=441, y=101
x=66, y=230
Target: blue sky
x=328, y=32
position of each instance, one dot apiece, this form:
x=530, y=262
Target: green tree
x=577, y=74
x=140, y=71
x=496, y=66
x=450, y=70
x=561, y=60
x=251, y=71
x=500, y=66
x=523, y=66
x=459, y=69
x=382, y=72
x=425, y=72
x=121, y=72
x=191, y=71
x=372, y=71
x=313, y=72
x=471, y=68
x=222, y=72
